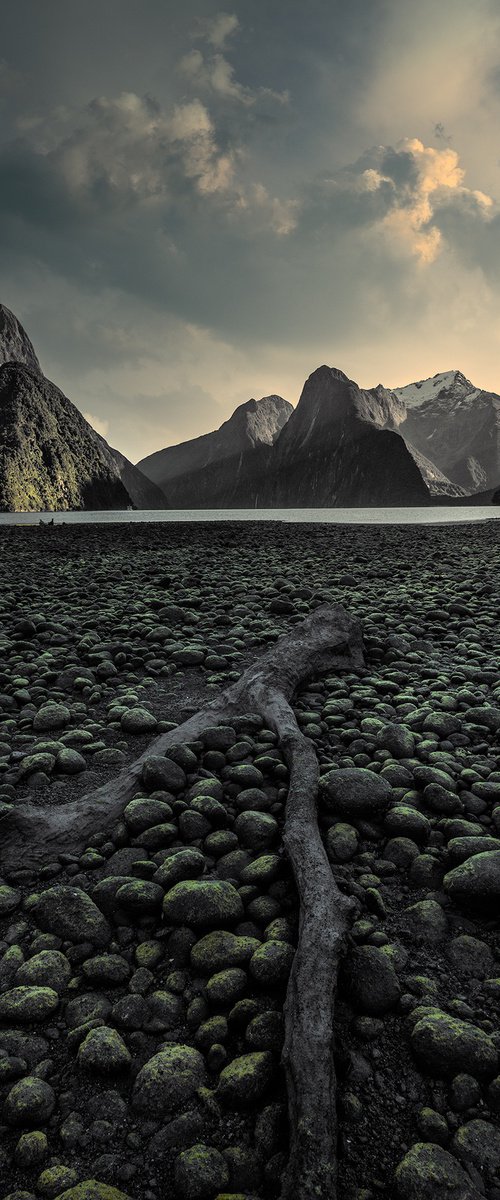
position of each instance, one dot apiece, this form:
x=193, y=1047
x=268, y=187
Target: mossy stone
x=225, y=987
x=145, y=811
x=246, y=1079
x=221, y=949
x=31, y=1149
x=475, y=883
x=50, y=1182
x=263, y=870
x=25, y=1003
x=188, y=863
x=446, y=1045
x=92, y=1189
x=169, y=1080
x=271, y=963
x=202, y=905
x=70, y=913
x=428, y=1172
x=256, y=830
x=48, y=968
x=30, y=1102
x=200, y=1173
x=104, y=1052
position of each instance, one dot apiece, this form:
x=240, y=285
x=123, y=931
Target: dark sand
x=105, y=620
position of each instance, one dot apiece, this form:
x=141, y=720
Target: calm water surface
x=325, y=516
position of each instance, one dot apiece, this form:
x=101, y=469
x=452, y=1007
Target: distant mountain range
x=342, y=446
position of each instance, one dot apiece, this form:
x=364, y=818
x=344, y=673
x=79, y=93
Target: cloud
x=212, y=72
x=216, y=30
x=97, y=423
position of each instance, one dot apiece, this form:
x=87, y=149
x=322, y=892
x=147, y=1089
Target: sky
x=202, y=204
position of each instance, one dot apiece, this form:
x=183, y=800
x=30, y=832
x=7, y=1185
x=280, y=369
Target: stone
x=138, y=720
x=475, y=883
x=162, y=774
x=51, y=716
x=446, y=1045
x=70, y=762
x=107, y=970
x=353, y=791
x=103, y=1052
x=169, y=1080
x=71, y=914
x=397, y=739
x=140, y=814
x=187, y=863
x=221, y=949
x=200, y=1172
x=10, y=899
x=469, y=956
x=202, y=905
x=405, y=821
x=48, y=968
x=246, y=1079
x=256, y=830
x=92, y=1189
x=140, y=896
x=369, y=981
x=478, y=1142
x=271, y=963
x=426, y=922
x=25, y=1004
x=225, y=987
x=428, y=1172
x=341, y=842
x=30, y=1102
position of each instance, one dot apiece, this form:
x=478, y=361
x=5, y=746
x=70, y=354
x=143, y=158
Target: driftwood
x=327, y=640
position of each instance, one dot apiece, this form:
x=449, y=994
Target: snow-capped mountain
x=452, y=429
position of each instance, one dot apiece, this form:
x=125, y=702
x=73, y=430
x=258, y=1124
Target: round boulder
x=202, y=905
x=355, y=791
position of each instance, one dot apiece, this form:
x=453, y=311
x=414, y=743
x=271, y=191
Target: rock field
x=142, y=981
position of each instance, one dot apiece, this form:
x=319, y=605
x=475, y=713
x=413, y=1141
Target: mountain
x=455, y=426
x=335, y=452
x=331, y=451
x=15, y=345
x=50, y=457
x=253, y=424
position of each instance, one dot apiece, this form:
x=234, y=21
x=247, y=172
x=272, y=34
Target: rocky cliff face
x=257, y=423
x=49, y=458
x=15, y=345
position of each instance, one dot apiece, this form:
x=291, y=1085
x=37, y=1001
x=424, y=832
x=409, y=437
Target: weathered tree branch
x=327, y=640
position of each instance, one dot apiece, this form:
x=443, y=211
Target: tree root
x=327, y=640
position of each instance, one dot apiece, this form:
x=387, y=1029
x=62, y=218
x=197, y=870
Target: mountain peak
x=15, y=345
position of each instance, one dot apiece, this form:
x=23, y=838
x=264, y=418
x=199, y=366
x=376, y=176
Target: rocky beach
x=143, y=976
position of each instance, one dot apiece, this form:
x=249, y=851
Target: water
x=434, y=515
